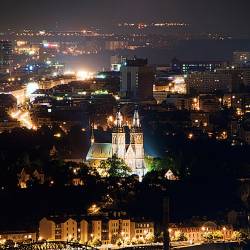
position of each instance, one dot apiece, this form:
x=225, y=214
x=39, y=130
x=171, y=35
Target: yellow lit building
x=96, y=230
x=18, y=237
x=107, y=231
x=141, y=229
x=83, y=230
x=119, y=228
x=47, y=229
x=58, y=230
x=197, y=234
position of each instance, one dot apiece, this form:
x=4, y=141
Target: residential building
x=140, y=229
x=209, y=103
x=196, y=233
x=119, y=227
x=18, y=236
x=58, y=229
x=47, y=229
x=209, y=82
x=180, y=102
x=83, y=231
x=106, y=230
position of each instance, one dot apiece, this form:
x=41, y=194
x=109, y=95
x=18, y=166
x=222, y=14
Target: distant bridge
x=50, y=245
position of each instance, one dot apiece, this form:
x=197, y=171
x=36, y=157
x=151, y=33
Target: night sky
x=203, y=15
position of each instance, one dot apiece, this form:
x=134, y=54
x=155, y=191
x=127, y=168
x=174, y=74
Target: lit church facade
x=132, y=153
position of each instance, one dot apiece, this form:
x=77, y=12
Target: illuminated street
x=24, y=118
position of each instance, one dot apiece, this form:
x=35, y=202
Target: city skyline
x=227, y=16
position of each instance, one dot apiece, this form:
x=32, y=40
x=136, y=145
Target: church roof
x=100, y=151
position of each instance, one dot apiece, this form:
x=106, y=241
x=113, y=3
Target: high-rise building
x=137, y=79
x=116, y=62
x=5, y=57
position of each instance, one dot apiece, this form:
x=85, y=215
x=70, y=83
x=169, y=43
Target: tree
x=217, y=235
x=208, y=236
x=134, y=241
x=161, y=165
x=119, y=242
x=9, y=243
x=141, y=241
x=179, y=236
x=236, y=235
x=96, y=242
x=150, y=238
x=114, y=167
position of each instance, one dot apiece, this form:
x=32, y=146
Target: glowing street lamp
x=224, y=233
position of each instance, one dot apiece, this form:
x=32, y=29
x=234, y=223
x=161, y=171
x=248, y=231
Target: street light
x=122, y=233
x=224, y=233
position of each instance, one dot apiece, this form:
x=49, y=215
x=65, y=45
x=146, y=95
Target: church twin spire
x=119, y=128
x=136, y=124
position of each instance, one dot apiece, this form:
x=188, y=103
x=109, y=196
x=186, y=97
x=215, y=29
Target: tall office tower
x=5, y=57
x=116, y=62
x=137, y=79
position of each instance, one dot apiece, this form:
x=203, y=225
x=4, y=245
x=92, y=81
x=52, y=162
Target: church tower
x=137, y=142
x=119, y=137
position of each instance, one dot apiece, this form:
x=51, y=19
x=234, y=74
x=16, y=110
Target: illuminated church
x=132, y=153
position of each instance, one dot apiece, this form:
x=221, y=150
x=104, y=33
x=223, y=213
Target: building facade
x=137, y=79
x=107, y=231
x=186, y=67
x=209, y=82
x=18, y=236
x=58, y=230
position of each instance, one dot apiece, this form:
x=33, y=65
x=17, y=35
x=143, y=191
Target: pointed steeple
x=118, y=136
x=136, y=125
x=136, y=119
x=118, y=121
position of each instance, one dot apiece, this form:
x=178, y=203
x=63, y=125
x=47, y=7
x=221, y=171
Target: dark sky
x=203, y=15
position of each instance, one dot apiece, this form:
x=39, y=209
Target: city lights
x=31, y=88
x=83, y=75
x=124, y=134
x=58, y=135
x=24, y=118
